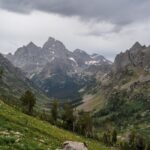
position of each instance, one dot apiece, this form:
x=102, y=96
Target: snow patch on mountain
x=92, y=62
x=72, y=59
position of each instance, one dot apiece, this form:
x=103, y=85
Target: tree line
x=64, y=116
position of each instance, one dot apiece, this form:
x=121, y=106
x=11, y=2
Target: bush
x=7, y=140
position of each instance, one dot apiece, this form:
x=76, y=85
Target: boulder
x=70, y=145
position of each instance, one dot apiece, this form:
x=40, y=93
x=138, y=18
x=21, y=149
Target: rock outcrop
x=137, y=56
x=70, y=145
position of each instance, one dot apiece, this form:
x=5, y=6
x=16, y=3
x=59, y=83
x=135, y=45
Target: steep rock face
x=54, y=48
x=81, y=57
x=137, y=56
x=29, y=58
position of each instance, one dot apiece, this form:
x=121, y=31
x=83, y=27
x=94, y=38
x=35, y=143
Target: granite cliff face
x=137, y=56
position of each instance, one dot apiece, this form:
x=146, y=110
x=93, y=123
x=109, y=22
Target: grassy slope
x=22, y=132
x=92, y=102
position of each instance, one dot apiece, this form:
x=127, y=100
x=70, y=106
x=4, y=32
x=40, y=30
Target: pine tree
x=54, y=111
x=114, y=136
x=1, y=73
x=68, y=116
x=28, y=101
x=85, y=124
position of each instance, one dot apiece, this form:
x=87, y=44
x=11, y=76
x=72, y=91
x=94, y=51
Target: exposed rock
x=137, y=56
x=70, y=145
x=81, y=57
x=33, y=59
x=53, y=59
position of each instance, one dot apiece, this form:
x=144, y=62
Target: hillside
x=125, y=91
x=14, y=84
x=21, y=132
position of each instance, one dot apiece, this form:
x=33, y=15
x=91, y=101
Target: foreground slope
x=20, y=132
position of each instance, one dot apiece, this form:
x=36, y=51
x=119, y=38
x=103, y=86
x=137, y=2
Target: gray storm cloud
x=119, y=12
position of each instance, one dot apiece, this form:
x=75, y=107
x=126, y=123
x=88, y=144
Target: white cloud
x=101, y=37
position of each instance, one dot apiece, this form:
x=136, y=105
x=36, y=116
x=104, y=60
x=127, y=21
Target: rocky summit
x=136, y=56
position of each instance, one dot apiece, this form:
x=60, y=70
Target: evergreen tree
x=85, y=124
x=54, y=111
x=68, y=116
x=1, y=73
x=28, y=101
x=139, y=143
x=105, y=140
x=114, y=136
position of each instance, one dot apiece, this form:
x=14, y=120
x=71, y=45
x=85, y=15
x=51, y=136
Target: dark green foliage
x=110, y=137
x=64, y=87
x=68, y=116
x=54, y=111
x=28, y=101
x=123, y=109
x=107, y=138
x=124, y=146
x=129, y=71
x=131, y=140
x=135, y=142
x=84, y=124
x=61, y=86
x=139, y=143
x=114, y=136
x=1, y=73
x=117, y=99
x=4, y=140
x=147, y=146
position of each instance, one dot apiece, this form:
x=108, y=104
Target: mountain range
x=56, y=70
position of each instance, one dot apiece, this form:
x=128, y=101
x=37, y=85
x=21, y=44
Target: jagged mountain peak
x=136, y=46
x=79, y=51
x=52, y=43
x=29, y=49
x=97, y=56
x=51, y=39
x=137, y=56
x=31, y=44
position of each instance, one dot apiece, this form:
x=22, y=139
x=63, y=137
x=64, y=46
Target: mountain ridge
x=54, y=59
x=14, y=83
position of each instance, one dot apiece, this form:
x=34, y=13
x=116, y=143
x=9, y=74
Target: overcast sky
x=103, y=26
